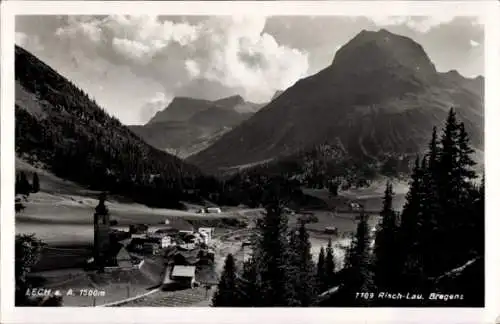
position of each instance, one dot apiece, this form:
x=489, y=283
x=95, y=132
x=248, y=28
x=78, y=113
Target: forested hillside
x=59, y=126
x=430, y=254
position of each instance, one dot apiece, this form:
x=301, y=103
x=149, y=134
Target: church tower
x=101, y=232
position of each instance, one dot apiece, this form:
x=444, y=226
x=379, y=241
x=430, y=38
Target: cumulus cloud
x=81, y=27
x=419, y=23
x=134, y=50
x=233, y=51
x=134, y=65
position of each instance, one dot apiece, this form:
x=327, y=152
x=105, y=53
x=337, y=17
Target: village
x=174, y=258
x=187, y=252
x=170, y=261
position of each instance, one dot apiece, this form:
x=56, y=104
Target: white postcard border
x=487, y=10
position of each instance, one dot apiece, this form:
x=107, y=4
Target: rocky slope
x=189, y=125
x=380, y=96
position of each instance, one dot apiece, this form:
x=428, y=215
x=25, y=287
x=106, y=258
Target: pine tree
x=36, y=183
x=434, y=153
x=320, y=271
x=386, y=270
x=358, y=277
x=301, y=266
x=227, y=290
x=466, y=198
x=248, y=285
x=409, y=256
x=274, y=282
x=477, y=219
x=329, y=266
x=24, y=185
x=448, y=173
x=427, y=228
x=465, y=162
x=430, y=183
x=294, y=268
x=454, y=191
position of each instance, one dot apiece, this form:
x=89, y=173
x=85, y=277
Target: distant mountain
x=202, y=88
x=180, y=109
x=60, y=127
x=189, y=125
x=380, y=96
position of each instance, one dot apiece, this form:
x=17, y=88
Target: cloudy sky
x=134, y=65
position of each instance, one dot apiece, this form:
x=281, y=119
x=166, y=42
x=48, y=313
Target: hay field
x=62, y=212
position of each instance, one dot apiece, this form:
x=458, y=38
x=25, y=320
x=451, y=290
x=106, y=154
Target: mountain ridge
x=366, y=102
x=188, y=125
x=60, y=127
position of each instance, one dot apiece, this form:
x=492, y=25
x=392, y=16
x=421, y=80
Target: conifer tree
x=428, y=236
x=24, y=185
x=448, y=179
x=36, y=183
x=274, y=282
x=465, y=161
x=465, y=218
x=408, y=237
x=433, y=152
x=227, y=292
x=248, y=285
x=302, y=267
x=329, y=266
x=454, y=191
x=358, y=276
x=320, y=271
x=294, y=268
x=478, y=221
x=386, y=245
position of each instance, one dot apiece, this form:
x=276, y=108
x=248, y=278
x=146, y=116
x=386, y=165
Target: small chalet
x=184, y=275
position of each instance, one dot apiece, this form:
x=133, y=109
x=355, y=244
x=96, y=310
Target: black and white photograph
x=178, y=160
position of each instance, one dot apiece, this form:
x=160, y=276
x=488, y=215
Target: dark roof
x=144, y=240
x=166, y=230
x=175, y=254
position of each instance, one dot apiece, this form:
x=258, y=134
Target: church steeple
x=101, y=232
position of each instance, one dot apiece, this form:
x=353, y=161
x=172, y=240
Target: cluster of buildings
x=151, y=240
x=184, y=252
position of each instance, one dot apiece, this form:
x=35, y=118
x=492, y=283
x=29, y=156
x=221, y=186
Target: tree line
x=436, y=245
x=24, y=187
x=77, y=140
